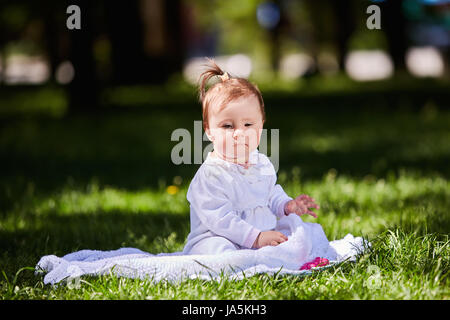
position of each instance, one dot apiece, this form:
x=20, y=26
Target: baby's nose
x=238, y=133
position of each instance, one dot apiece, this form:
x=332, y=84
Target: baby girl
x=234, y=199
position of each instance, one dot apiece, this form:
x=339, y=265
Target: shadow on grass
x=132, y=149
x=60, y=235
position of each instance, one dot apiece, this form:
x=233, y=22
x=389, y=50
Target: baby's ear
x=208, y=134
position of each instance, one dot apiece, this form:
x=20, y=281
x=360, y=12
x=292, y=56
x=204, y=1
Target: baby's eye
x=227, y=126
x=248, y=124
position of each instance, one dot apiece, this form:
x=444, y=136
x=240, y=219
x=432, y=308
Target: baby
x=234, y=199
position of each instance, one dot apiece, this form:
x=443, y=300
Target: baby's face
x=235, y=131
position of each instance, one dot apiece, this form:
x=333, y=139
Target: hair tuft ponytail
x=212, y=69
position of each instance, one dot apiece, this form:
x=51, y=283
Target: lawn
x=102, y=181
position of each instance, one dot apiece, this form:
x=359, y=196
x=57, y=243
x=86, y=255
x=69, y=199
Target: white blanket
x=306, y=241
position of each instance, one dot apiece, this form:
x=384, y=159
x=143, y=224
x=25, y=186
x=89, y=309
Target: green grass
x=100, y=182
x=406, y=220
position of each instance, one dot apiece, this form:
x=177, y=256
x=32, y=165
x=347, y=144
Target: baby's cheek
x=225, y=144
x=254, y=136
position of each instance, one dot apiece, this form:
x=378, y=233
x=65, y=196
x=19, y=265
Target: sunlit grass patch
x=370, y=205
x=111, y=199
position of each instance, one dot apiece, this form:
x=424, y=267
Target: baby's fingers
x=281, y=236
x=311, y=202
x=313, y=205
x=312, y=213
x=305, y=197
x=278, y=240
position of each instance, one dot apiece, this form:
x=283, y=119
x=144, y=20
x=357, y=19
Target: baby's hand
x=301, y=205
x=269, y=238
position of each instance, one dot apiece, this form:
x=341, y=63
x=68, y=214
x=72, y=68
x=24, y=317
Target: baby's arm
x=277, y=200
x=281, y=204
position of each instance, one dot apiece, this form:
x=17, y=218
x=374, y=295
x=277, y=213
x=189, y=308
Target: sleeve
x=277, y=200
x=214, y=209
x=277, y=196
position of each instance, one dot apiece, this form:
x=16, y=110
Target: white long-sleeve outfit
x=231, y=205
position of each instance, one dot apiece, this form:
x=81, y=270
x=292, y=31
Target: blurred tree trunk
x=84, y=88
x=5, y=36
x=274, y=36
x=446, y=54
x=125, y=32
x=315, y=8
x=175, y=48
x=2, y=61
x=344, y=25
x=275, y=55
x=51, y=32
x=146, y=40
x=393, y=23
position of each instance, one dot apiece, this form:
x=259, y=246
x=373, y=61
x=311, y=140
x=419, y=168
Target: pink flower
x=317, y=262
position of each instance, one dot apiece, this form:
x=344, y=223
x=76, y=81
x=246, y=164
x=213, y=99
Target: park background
x=86, y=118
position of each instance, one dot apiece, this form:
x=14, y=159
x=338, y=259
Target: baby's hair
x=223, y=92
